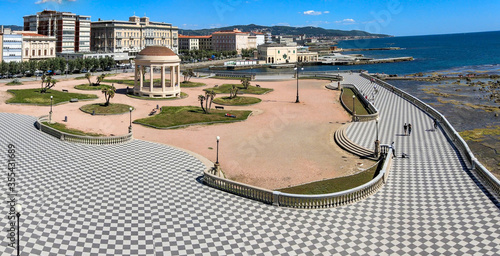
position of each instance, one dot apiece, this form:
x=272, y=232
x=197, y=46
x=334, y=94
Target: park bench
x=152, y=112
x=64, y=90
x=73, y=100
x=219, y=107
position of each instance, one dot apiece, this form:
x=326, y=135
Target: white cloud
x=281, y=24
x=312, y=12
x=325, y=12
x=55, y=1
x=346, y=21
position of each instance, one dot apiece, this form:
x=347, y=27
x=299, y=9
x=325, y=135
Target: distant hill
x=14, y=27
x=283, y=30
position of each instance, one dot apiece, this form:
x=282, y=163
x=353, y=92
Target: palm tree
x=109, y=92
x=49, y=83
x=209, y=96
x=100, y=79
x=87, y=75
x=233, y=92
x=245, y=82
x=201, y=98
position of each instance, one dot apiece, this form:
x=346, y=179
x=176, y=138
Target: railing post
x=276, y=195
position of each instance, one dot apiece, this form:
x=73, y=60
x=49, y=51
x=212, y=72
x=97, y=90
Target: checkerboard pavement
x=142, y=198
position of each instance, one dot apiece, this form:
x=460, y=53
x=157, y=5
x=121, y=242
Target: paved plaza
x=143, y=198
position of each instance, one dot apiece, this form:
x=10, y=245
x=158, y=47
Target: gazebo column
x=135, y=76
x=151, y=78
x=172, y=77
x=178, y=75
x=163, y=78
x=141, y=76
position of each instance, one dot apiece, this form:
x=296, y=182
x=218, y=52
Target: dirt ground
x=281, y=144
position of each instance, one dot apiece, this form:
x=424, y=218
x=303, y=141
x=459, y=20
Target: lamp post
x=217, y=158
x=130, y=126
x=50, y=112
x=338, y=72
x=18, y=209
x=376, y=123
x=297, y=75
x=353, y=106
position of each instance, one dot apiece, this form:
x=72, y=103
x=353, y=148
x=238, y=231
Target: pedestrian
x=393, y=149
x=409, y=129
x=405, y=127
x=435, y=124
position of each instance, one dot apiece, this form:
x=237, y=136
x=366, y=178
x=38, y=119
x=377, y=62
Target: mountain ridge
x=283, y=30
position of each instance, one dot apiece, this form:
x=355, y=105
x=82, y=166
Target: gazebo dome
x=157, y=51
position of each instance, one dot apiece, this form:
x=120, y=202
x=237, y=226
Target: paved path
x=143, y=198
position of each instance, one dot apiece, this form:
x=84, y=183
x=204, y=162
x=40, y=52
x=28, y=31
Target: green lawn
x=63, y=128
x=190, y=115
x=33, y=96
x=226, y=77
x=87, y=87
x=347, y=98
x=183, y=95
x=100, y=109
x=237, y=101
x=14, y=82
x=334, y=185
x=225, y=88
x=187, y=84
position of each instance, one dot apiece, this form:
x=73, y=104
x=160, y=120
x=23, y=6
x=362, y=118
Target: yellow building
x=37, y=47
x=277, y=53
x=132, y=36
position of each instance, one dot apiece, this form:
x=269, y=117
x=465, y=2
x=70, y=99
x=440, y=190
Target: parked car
x=84, y=71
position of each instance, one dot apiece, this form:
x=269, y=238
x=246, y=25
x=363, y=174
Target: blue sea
x=443, y=53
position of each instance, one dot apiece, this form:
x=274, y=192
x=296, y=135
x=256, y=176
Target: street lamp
x=18, y=209
x=297, y=75
x=376, y=123
x=50, y=112
x=353, y=106
x=217, y=159
x=130, y=126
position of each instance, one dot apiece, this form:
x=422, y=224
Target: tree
x=100, y=79
x=233, y=91
x=71, y=65
x=209, y=97
x=47, y=83
x=109, y=92
x=201, y=98
x=245, y=82
x=188, y=74
x=87, y=76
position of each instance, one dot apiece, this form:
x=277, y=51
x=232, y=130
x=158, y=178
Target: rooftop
x=157, y=51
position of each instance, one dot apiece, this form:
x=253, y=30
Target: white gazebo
x=159, y=59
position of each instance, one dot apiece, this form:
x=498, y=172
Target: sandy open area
x=281, y=144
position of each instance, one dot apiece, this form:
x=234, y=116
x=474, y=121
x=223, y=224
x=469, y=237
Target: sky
x=393, y=17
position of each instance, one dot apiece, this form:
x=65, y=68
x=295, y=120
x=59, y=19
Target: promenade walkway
x=142, y=198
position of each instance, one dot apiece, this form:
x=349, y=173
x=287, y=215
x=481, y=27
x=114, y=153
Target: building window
x=33, y=52
x=45, y=52
x=51, y=51
x=39, y=52
x=27, y=52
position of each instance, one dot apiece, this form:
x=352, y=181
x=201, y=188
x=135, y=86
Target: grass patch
x=14, y=82
x=190, y=115
x=477, y=135
x=183, y=95
x=188, y=84
x=225, y=88
x=101, y=109
x=334, y=185
x=63, y=128
x=237, y=101
x=33, y=96
x=87, y=87
x=347, y=98
x=226, y=77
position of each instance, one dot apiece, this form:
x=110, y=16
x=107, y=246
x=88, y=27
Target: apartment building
x=195, y=42
x=11, y=46
x=277, y=53
x=230, y=40
x=72, y=31
x=132, y=36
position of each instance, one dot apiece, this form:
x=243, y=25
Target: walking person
x=409, y=129
x=435, y=124
x=405, y=127
x=393, y=149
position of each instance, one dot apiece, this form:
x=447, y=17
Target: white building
x=12, y=46
x=277, y=53
x=36, y=46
